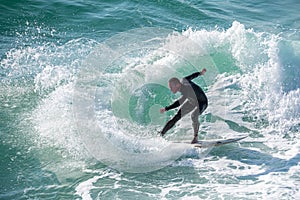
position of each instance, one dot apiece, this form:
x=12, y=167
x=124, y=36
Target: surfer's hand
x=203, y=71
x=162, y=110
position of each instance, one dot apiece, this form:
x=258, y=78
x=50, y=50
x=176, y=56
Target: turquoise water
x=81, y=83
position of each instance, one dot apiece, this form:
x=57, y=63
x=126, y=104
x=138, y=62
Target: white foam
x=84, y=188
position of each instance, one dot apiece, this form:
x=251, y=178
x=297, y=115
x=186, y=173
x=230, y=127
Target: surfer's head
x=174, y=84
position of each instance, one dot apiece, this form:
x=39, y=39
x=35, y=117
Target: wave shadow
x=270, y=163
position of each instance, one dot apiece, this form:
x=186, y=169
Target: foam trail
x=100, y=125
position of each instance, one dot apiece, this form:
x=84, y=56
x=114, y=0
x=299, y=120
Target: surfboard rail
x=212, y=143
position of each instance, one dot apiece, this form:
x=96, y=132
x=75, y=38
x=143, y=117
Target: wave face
x=114, y=89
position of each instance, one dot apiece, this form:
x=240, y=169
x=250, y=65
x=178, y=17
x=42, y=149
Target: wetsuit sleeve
x=192, y=76
x=176, y=103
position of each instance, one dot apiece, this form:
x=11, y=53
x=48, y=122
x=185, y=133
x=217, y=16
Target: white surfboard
x=212, y=143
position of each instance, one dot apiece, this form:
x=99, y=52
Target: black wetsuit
x=193, y=99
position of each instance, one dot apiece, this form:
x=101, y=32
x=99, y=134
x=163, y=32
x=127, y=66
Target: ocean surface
x=82, y=81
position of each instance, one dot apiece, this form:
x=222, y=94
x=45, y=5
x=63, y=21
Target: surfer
x=193, y=100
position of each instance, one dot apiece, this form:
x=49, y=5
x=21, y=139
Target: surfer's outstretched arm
x=195, y=75
x=176, y=104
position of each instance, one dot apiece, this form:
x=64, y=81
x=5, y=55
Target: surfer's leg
x=171, y=123
x=185, y=109
x=195, y=124
x=195, y=120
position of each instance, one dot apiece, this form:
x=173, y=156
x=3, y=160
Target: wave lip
x=109, y=82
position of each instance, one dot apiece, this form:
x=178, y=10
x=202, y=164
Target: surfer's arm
x=176, y=103
x=192, y=76
x=195, y=75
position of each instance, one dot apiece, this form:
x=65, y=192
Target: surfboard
x=212, y=143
